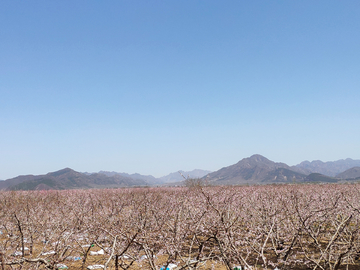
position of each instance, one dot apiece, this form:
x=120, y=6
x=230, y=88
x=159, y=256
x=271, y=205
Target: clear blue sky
x=159, y=86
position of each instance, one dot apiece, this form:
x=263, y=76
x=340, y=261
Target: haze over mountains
x=70, y=179
x=252, y=170
x=170, y=178
x=330, y=168
x=352, y=173
x=179, y=176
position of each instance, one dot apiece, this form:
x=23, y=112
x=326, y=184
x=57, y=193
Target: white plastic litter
x=25, y=248
x=100, y=252
x=48, y=253
x=96, y=266
x=61, y=266
x=171, y=266
x=17, y=253
x=73, y=258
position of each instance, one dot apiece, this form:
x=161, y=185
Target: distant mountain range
x=170, y=178
x=352, y=173
x=330, y=168
x=260, y=170
x=252, y=170
x=68, y=179
x=179, y=176
x=147, y=178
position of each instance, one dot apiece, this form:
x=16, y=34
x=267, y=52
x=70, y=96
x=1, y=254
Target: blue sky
x=159, y=86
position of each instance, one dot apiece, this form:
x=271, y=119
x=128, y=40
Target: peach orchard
x=252, y=227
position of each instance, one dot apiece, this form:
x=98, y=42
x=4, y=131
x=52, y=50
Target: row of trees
x=256, y=227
